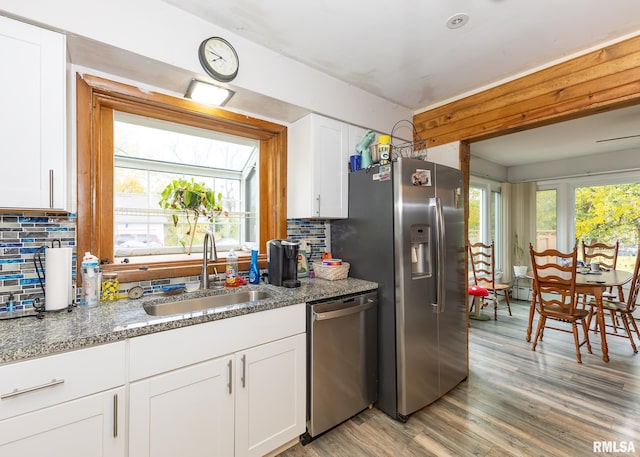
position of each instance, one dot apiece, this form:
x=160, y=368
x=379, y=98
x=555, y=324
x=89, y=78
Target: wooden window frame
x=96, y=100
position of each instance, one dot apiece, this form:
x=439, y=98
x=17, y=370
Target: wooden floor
x=516, y=402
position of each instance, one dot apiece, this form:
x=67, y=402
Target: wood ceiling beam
x=601, y=80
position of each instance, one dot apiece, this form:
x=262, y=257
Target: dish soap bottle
x=254, y=271
x=231, y=269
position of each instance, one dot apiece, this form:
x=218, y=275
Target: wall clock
x=219, y=59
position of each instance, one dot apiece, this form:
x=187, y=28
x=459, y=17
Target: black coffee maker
x=282, y=258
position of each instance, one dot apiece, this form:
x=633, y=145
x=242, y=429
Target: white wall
x=154, y=43
x=487, y=169
x=445, y=154
x=592, y=165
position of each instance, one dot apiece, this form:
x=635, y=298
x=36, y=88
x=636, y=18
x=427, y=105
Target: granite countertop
x=114, y=321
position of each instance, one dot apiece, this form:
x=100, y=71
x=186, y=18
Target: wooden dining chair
x=607, y=256
x=554, y=275
x=622, y=310
x=482, y=257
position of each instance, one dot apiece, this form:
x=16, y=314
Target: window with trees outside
x=546, y=219
x=155, y=172
x=606, y=213
x=155, y=159
x=485, y=214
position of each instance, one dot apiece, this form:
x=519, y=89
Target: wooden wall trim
x=601, y=80
x=96, y=100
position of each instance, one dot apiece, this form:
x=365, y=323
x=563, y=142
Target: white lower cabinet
x=247, y=402
x=186, y=412
x=244, y=404
x=270, y=395
x=92, y=426
x=234, y=387
x=71, y=404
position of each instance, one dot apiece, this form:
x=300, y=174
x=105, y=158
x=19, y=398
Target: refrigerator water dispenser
x=420, y=251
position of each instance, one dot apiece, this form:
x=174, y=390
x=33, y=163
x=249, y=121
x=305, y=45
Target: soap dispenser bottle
x=254, y=271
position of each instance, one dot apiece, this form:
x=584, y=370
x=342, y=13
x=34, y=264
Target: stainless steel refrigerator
x=405, y=231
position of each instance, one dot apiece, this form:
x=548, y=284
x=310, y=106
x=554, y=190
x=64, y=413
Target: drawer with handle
x=38, y=383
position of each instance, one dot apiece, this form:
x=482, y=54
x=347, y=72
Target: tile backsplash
x=313, y=231
x=21, y=235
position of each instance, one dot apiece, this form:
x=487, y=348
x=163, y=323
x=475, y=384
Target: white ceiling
x=404, y=52
x=571, y=139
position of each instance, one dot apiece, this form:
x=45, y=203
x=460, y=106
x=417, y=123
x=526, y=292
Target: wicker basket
x=331, y=272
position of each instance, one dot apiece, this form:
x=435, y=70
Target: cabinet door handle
x=230, y=365
x=16, y=392
x=115, y=415
x=318, y=202
x=51, y=188
x=244, y=371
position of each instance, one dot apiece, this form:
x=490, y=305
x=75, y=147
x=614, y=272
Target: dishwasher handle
x=370, y=303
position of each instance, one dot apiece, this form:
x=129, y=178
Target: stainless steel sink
x=202, y=303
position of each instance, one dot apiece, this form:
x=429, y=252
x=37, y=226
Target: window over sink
x=150, y=154
x=242, y=158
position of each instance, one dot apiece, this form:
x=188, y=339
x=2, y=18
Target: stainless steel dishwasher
x=342, y=362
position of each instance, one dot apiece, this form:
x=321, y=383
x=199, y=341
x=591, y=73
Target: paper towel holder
x=40, y=308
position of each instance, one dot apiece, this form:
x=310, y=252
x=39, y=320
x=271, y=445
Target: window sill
x=128, y=272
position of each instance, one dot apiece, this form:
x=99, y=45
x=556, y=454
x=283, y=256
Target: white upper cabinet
x=317, y=170
x=32, y=115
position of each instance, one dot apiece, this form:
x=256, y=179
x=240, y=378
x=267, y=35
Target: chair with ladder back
x=622, y=309
x=554, y=276
x=607, y=256
x=482, y=257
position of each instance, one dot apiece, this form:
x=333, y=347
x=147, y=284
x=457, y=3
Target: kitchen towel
x=57, y=278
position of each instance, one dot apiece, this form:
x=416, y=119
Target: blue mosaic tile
x=13, y=276
x=11, y=261
x=28, y=281
x=29, y=250
x=32, y=220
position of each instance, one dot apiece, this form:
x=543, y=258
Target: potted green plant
x=519, y=266
x=195, y=199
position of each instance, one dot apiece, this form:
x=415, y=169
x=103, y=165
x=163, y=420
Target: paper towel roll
x=57, y=278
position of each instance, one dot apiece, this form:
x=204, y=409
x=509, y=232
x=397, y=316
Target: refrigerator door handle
x=440, y=247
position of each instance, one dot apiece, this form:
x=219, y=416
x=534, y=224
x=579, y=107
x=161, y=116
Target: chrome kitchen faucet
x=209, y=242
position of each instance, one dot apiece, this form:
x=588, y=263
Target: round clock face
x=219, y=59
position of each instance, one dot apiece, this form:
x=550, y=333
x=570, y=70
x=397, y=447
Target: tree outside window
x=609, y=213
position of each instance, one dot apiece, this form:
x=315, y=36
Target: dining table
x=589, y=283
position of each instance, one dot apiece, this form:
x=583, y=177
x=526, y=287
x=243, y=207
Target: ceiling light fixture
x=457, y=20
x=210, y=94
